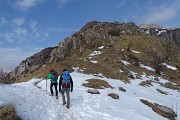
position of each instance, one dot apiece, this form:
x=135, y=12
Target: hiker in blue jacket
x=67, y=85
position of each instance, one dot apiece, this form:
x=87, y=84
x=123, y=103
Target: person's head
x=52, y=70
x=65, y=70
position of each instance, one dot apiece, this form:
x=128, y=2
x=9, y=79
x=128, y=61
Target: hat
x=64, y=70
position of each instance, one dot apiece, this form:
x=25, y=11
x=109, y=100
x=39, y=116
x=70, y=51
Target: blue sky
x=28, y=26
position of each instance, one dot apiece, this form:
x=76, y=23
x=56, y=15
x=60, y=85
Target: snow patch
x=135, y=51
x=125, y=62
x=147, y=32
x=147, y=67
x=161, y=32
x=101, y=47
x=169, y=66
x=94, y=61
x=95, y=53
x=120, y=71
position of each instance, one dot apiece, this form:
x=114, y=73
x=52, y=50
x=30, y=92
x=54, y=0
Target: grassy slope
x=109, y=61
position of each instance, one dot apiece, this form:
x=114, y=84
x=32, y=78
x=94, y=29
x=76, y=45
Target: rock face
x=173, y=35
x=91, y=35
x=93, y=32
x=167, y=34
x=29, y=65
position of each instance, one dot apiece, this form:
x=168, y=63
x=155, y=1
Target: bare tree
x=157, y=59
x=157, y=63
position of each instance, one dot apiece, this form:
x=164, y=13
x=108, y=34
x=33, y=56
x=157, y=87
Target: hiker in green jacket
x=53, y=76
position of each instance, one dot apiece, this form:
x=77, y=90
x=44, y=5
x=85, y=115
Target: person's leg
x=55, y=85
x=51, y=89
x=63, y=97
x=68, y=97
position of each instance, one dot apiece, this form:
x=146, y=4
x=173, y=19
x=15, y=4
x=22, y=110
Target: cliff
x=29, y=65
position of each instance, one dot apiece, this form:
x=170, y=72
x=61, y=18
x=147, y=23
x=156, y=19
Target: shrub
x=96, y=83
x=8, y=113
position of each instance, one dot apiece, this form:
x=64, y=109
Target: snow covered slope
x=32, y=102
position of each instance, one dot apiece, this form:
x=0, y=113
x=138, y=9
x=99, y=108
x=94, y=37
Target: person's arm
x=71, y=83
x=60, y=83
x=49, y=76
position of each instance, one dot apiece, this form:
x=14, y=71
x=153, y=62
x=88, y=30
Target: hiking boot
x=56, y=97
x=64, y=103
x=67, y=107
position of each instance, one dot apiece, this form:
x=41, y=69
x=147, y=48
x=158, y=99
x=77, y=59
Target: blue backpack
x=66, y=77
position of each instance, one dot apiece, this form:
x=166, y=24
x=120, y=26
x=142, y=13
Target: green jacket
x=50, y=76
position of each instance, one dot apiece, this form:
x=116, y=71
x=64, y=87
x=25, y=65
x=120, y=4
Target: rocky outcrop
x=93, y=33
x=173, y=35
x=29, y=65
x=167, y=34
x=122, y=89
x=114, y=95
x=148, y=26
x=161, y=110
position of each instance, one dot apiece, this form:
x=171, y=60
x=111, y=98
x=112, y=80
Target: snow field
x=32, y=102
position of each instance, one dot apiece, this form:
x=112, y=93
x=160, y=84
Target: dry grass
x=8, y=113
x=162, y=92
x=97, y=84
x=172, y=86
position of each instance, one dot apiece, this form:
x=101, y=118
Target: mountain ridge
x=90, y=37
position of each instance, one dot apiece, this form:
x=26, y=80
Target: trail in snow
x=33, y=103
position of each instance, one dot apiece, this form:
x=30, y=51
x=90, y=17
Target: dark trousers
x=51, y=88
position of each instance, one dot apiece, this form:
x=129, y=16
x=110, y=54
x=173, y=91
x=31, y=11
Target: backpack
x=55, y=76
x=66, y=77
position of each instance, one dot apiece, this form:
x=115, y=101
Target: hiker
x=53, y=76
x=67, y=85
